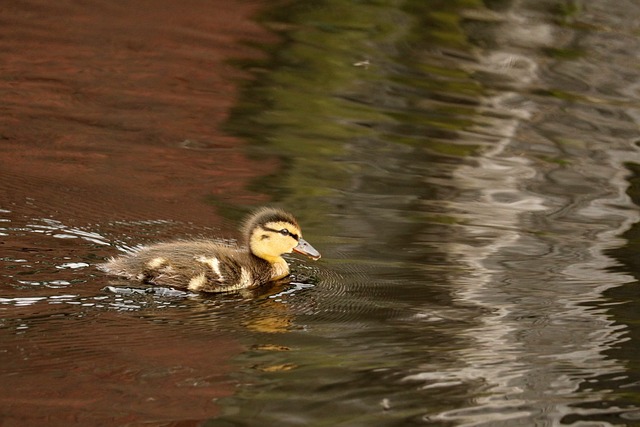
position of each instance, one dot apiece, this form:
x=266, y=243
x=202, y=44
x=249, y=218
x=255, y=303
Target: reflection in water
x=496, y=148
x=112, y=112
x=110, y=138
x=536, y=272
x=59, y=361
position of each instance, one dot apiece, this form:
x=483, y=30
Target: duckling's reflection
x=262, y=309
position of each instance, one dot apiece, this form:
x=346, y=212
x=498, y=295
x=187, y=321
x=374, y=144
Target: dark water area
x=469, y=170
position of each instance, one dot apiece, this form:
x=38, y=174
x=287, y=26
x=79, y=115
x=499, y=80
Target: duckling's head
x=270, y=233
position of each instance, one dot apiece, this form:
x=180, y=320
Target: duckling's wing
x=205, y=269
x=223, y=271
x=197, y=266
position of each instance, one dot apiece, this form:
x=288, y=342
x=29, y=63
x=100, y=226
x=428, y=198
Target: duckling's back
x=201, y=266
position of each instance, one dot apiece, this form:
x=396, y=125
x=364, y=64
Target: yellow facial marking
x=197, y=282
x=268, y=243
x=156, y=262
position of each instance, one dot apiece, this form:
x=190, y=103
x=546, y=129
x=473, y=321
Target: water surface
x=468, y=170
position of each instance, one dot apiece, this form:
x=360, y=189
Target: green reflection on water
x=353, y=87
x=352, y=94
x=354, y=71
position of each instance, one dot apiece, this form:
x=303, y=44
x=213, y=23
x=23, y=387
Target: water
x=469, y=171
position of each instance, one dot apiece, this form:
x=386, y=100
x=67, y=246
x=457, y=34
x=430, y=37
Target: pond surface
x=469, y=170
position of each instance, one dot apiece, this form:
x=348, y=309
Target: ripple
x=58, y=230
x=477, y=173
x=73, y=265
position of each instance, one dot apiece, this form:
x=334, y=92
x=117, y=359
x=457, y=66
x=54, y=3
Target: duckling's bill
x=305, y=248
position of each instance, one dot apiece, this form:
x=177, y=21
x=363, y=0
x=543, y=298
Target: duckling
x=210, y=266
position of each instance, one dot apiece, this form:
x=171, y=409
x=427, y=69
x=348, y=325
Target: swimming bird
x=212, y=266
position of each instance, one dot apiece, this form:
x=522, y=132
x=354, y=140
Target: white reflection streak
x=525, y=371
x=58, y=230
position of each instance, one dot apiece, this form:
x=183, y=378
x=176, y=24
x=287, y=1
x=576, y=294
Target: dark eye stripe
x=284, y=232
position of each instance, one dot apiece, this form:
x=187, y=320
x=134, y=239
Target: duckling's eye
x=286, y=232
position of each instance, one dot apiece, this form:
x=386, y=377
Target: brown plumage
x=209, y=266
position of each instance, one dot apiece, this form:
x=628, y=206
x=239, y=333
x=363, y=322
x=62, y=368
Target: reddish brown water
x=111, y=113
x=110, y=369
x=111, y=105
